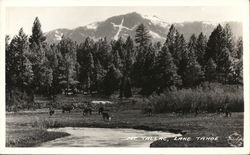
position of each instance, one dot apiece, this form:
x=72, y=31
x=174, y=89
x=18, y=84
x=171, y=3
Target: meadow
x=29, y=128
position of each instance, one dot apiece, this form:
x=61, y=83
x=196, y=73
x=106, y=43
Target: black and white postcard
x=125, y=76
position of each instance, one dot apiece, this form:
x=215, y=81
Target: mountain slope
x=125, y=25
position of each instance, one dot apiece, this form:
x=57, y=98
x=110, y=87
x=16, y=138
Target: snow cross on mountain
x=120, y=27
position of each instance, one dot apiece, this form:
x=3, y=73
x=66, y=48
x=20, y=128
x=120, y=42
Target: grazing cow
x=100, y=110
x=67, y=108
x=105, y=116
x=87, y=111
x=148, y=111
x=227, y=110
x=51, y=111
x=220, y=110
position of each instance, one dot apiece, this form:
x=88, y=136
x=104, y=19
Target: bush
x=17, y=99
x=206, y=98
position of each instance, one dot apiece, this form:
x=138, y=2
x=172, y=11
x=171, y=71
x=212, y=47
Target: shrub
x=206, y=98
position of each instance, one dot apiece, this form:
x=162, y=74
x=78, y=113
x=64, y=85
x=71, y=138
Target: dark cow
x=100, y=110
x=148, y=111
x=227, y=110
x=87, y=111
x=67, y=108
x=51, y=111
x=106, y=116
x=220, y=110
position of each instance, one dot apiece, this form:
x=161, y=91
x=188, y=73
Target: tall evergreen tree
x=148, y=73
x=37, y=36
x=201, y=48
x=129, y=55
x=239, y=48
x=192, y=44
x=85, y=59
x=142, y=37
x=111, y=81
x=166, y=70
x=183, y=57
x=225, y=65
x=19, y=73
x=19, y=70
x=125, y=84
x=210, y=71
x=238, y=63
x=230, y=44
x=215, y=44
x=38, y=57
x=102, y=52
x=142, y=40
x=218, y=51
x=67, y=63
x=99, y=74
x=174, y=42
x=117, y=61
x=193, y=73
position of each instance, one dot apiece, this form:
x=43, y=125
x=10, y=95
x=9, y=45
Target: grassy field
x=29, y=128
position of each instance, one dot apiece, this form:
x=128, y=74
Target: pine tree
x=238, y=65
x=19, y=73
x=216, y=42
x=183, y=57
x=111, y=81
x=193, y=74
x=117, y=61
x=127, y=89
x=67, y=64
x=224, y=65
x=166, y=70
x=53, y=59
x=201, y=48
x=18, y=66
x=218, y=51
x=99, y=74
x=37, y=36
x=90, y=70
x=85, y=59
x=129, y=55
x=239, y=49
x=142, y=37
x=230, y=44
x=125, y=84
x=38, y=57
x=210, y=70
x=147, y=80
x=174, y=43
x=192, y=44
x=102, y=52
x=191, y=70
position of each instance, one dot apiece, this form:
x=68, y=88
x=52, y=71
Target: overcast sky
x=72, y=17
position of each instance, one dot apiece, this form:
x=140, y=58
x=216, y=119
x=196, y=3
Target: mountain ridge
x=125, y=25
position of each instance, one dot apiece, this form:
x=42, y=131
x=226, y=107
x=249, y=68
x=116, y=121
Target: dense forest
x=34, y=66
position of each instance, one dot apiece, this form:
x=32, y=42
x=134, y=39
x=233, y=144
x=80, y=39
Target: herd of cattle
x=88, y=107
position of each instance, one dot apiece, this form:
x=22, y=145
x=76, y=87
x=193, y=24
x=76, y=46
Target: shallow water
x=106, y=137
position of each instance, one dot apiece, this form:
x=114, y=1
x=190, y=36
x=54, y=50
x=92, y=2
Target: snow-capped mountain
x=125, y=25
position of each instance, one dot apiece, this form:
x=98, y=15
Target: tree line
x=34, y=66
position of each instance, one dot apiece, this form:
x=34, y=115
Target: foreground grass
x=29, y=129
